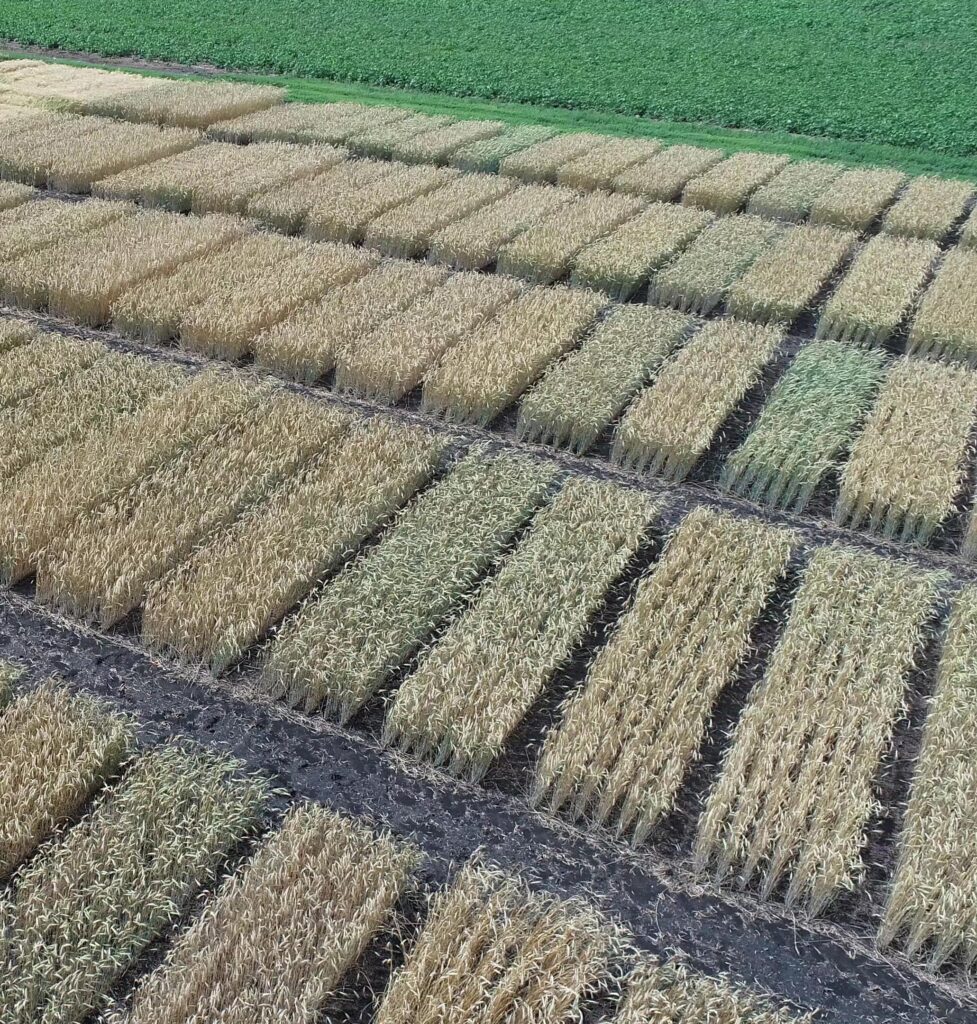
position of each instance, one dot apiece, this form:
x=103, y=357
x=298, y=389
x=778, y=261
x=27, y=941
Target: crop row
x=233, y=514
x=155, y=827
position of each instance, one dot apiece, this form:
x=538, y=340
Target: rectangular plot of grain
x=492, y=949
x=471, y=690
x=790, y=194
x=487, y=154
x=407, y=230
x=344, y=643
x=311, y=898
x=345, y=216
x=41, y=363
x=546, y=251
x=622, y=262
x=789, y=276
x=380, y=138
x=627, y=738
x=541, y=161
x=725, y=187
x=32, y=146
x=878, y=291
x=33, y=226
x=473, y=242
x=666, y=174
x=223, y=599
x=946, y=324
x=306, y=345
x=391, y=361
x=807, y=425
x=303, y=122
x=437, y=145
x=929, y=208
x=56, y=750
x=14, y=333
x=796, y=788
x=856, y=198
x=933, y=900
x=480, y=377
x=12, y=194
x=103, y=565
x=581, y=395
x=672, y=424
x=80, y=914
x=907, y=467
x=698, y=279
x=599, y=167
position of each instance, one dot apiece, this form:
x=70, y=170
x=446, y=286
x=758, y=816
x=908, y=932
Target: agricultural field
x=456, y=572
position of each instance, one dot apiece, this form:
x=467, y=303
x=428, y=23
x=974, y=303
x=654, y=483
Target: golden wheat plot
x=856, y=198
x=670, y=425
x=929, y=208
x=622, y=262
x=392, y=360
x=907, y=468
x=474, y=241
x=39, y=505
x=81, y=277
x=878, y=291
x=381, y=138
x=697, y=280
x=307, y=344
x=671, y=992
x=42, y=362
x=933, y=899
x=542, y=161
x=80, y=914
x=12, y=194
x=343, y=644
x=346, y=216
x=62, y=87
x=286, y=207
x=113, y=385
x=407, y=231
x=581, y=395
x=494, y=950
x=790, y=194
x=946, y=324
x=487, y=154
x=475, y=685
x=481, y=376
x=546, y=251
x=280, y=934
x=14, y=333
x=304, y=122
x=663, y=176
x=598, y=167
x=627, y=739
x=103, y=565
x=32, y=226
x=789, y=276
x=214, y=606
x=437, y=145
x=725, y=187
x=807, y=425
x=796, y=788
x=56, y=750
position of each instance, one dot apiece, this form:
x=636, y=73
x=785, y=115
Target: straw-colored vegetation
x=494, y=950
x=933, y=900
x=278, y=937
x=796, y=789
x=627, y=738
x=598, y=167
x=14, y=333
x=56, y=750
x=487, y=154
x=929, y=208
x=582, y=394
x=856, y=198
x=545, y=252
x=437, y=145
x=344, y=643
x=32, y=226
x=384, y=137
x=807, y=425
x=12, y=194
x=304, y=122
x=622, y=262
x=475, y=685
x=789, y=276
x=791, y=193
x=725, y=187
x=968, y=233
x=480, y=377
x=665, y=175
x=77, y=917
x=39, y=363
x=542, y=161
x=946, y=324
x=698, y=279
x=879, y=290
x=671, y=424
x=224, y=598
